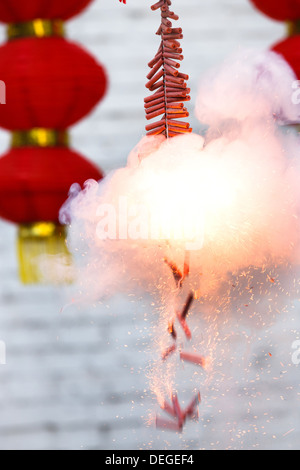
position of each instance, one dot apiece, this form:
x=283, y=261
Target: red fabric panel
x=15, y=11
x=34, y=183
x=281, y=10
x=50, y=82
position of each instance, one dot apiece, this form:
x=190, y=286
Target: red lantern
x=34, y=183
x=281, y=10
x=41, y=184
x=290, y=50
x=50, y=83
x=16, y=11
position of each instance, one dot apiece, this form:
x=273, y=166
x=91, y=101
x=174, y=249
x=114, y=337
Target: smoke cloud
x=230, y=199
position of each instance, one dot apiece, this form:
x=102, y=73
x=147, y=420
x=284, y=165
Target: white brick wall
x=75, y=379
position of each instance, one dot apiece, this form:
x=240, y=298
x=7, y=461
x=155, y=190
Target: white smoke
x=231, y=197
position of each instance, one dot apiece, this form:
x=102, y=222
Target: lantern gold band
x=293, y=27
x=36, y=29
x=39, y=137
x=41, y=230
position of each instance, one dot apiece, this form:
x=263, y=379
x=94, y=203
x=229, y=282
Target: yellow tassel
x=43, y=254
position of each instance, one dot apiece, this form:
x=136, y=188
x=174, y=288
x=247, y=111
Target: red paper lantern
x=281, y=10
x=290, y=50
x=50, y=83
x=15, y=11
x=40, y=186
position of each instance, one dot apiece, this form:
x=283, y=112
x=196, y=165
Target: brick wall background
x=75, y=378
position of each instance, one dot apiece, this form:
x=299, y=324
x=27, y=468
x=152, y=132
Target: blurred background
x=75, y=377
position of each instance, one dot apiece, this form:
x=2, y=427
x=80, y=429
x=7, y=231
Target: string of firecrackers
x=174, y=409
x=165, y=80
x=170, y=93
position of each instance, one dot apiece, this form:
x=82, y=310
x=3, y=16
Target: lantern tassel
x=38, y=243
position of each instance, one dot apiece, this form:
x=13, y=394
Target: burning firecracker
x=204, y=223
